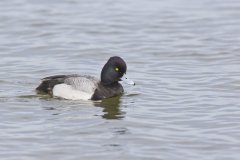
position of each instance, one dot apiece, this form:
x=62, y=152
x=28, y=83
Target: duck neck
x=109, y=84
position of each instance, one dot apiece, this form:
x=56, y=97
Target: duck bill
x=125, y=80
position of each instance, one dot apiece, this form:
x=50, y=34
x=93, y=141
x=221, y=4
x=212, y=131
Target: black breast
x=107, y=91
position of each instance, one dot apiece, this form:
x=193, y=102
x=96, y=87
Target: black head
x=113, y=70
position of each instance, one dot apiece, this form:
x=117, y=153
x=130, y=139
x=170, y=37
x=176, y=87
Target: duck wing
x=78, y=82
x=48, y=83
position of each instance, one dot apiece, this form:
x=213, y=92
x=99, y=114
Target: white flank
x=67, y=92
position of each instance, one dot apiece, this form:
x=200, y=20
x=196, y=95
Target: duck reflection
x=111, y=108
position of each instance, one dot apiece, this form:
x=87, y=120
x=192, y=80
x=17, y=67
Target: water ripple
x=183, y=56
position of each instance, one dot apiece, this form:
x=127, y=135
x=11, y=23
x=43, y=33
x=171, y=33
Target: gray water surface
x=183, y=55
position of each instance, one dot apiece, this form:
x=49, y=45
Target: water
x=183, y=55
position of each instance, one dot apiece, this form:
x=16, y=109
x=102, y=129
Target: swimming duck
x=82, y=87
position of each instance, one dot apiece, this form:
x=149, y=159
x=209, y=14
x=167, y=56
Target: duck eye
x=117, y=69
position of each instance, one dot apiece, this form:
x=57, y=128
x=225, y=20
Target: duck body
x=78, y=87
x=81, y=87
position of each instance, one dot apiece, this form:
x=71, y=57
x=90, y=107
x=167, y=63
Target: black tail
x=49, y=82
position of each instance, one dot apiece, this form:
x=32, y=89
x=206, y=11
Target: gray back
x=86, y=84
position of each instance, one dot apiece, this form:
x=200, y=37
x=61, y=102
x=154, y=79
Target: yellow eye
x=116, y=69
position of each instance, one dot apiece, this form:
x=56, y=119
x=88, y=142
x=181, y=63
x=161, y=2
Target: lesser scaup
x=76, y=87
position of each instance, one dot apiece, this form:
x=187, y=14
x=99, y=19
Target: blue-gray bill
x=127, y=81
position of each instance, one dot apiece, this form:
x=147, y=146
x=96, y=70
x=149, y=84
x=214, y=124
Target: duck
x=85, y=87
